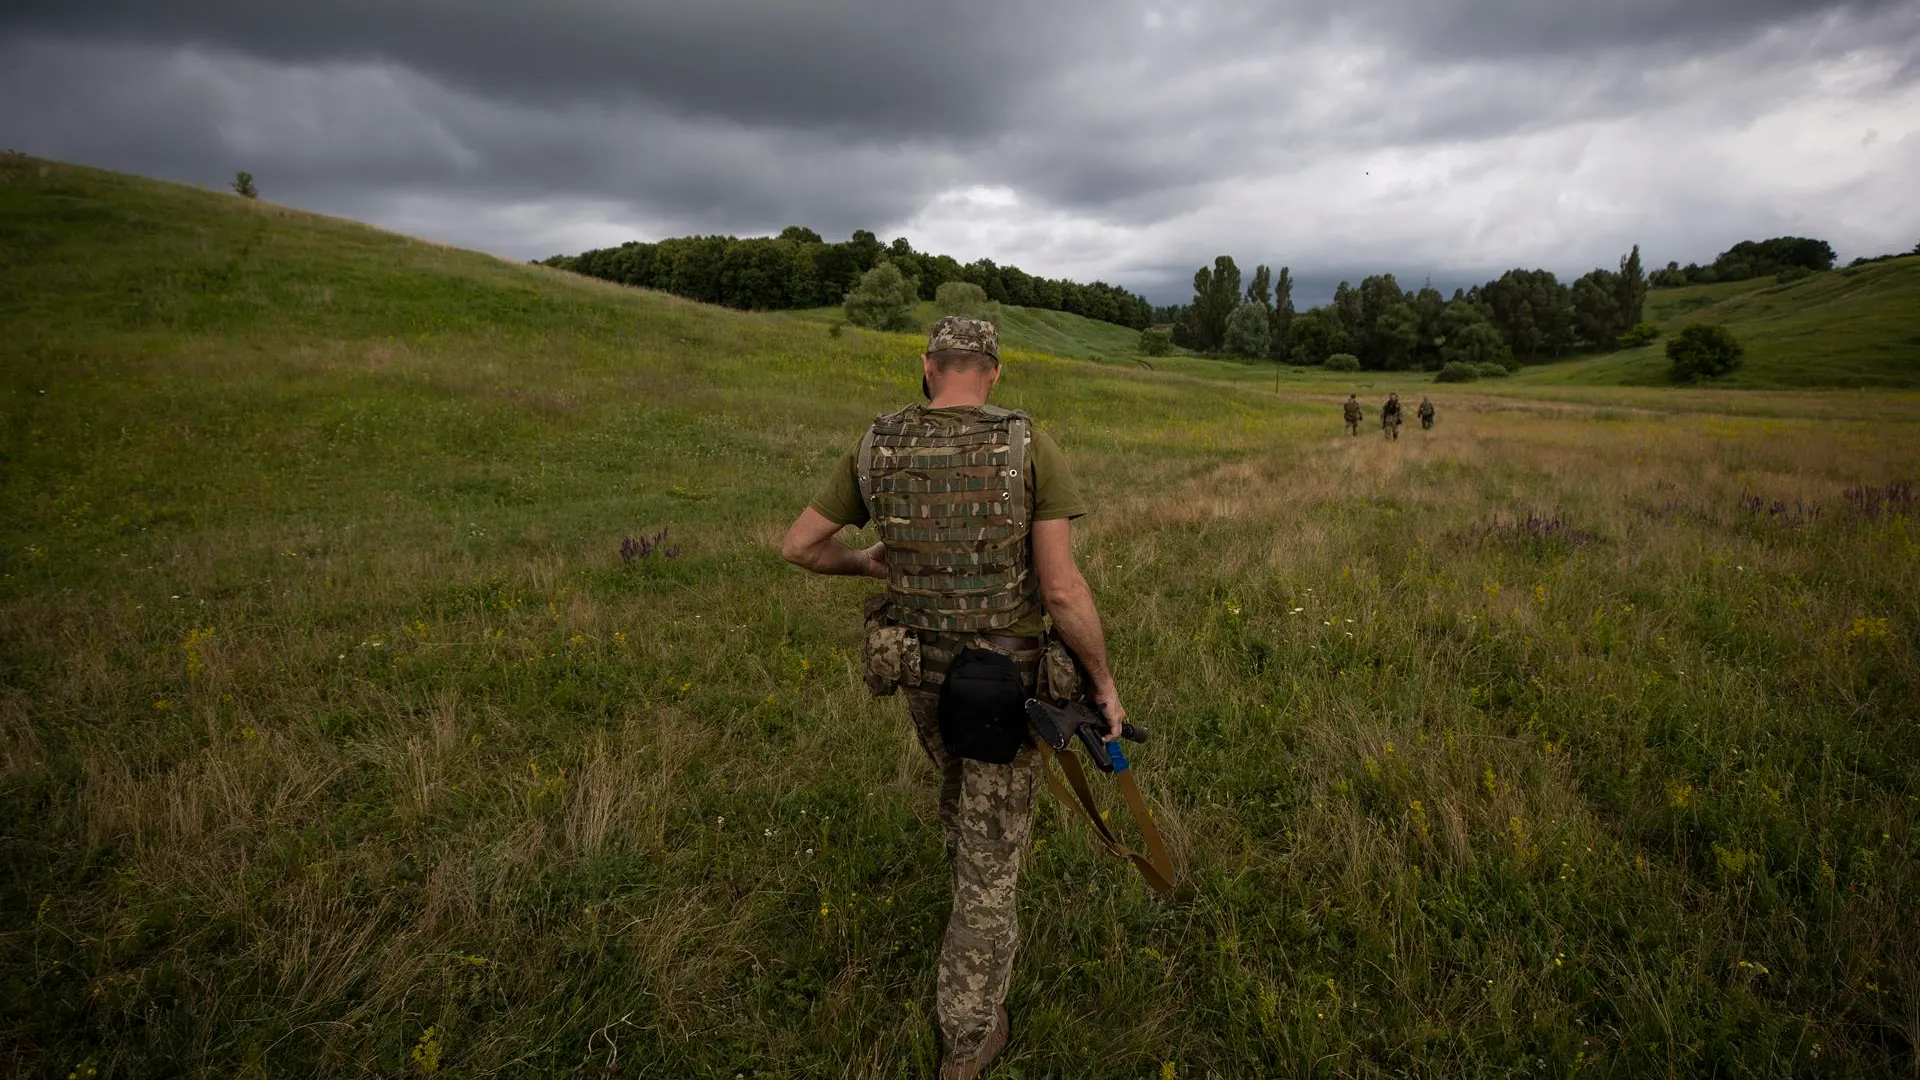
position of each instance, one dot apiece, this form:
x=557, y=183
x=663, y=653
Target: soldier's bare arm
x=1069, y=603
x=810, y=544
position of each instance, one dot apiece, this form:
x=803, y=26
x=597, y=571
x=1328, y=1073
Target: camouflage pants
x=1353, y=427
x=986, y=814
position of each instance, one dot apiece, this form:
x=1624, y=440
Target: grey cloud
x=1169, y=132
x=900, y=68
x=337, y=136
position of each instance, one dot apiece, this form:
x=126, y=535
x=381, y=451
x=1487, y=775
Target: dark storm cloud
x=896, y=68
x=1124, y=140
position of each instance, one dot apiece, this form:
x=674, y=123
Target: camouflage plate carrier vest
x=948, y=495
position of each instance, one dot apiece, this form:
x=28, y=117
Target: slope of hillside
x=1037, y=329
x=348, y=727
x=1855, y=327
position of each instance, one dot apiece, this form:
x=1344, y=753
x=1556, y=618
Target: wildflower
x=195, y=643
x=163, y=705
x=577, y=640
x=619, y=638
x=1679, y=794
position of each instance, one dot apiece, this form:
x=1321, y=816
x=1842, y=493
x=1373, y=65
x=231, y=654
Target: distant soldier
x=1390, y=416
x=1426, y=413
x=1354, y=414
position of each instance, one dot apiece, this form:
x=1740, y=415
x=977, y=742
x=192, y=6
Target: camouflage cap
x=966, y=335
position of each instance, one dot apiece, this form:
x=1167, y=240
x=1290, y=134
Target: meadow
x=340, y=737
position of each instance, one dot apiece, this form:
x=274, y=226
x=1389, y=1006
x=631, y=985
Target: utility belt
x=988, y=712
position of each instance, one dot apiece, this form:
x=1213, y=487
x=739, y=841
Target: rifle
x=1058, y=724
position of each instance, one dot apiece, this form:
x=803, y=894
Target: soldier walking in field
x=973, y=507
x=1426, y=413
x=1354, y=414
x=1390, y=416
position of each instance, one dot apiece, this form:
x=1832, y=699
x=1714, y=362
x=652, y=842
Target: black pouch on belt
x=982, y=707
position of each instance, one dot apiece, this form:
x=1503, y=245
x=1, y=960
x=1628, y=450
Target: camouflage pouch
x=889, y=653
x=1060, y=673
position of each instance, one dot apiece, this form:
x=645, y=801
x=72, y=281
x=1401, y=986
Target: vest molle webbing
x=948, y=495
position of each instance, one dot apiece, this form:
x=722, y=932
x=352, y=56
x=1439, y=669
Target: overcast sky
x=1125, y=141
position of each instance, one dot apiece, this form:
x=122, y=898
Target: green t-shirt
x=1051, y=493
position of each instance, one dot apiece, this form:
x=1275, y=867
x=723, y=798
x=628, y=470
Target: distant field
x=1853, y=328
x=337, y=738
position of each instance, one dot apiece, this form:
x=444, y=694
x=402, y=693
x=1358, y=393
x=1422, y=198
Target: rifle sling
x=1155, y=866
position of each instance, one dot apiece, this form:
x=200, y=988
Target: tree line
x=797, y=269
x=1521, y=315
x=1788, y=255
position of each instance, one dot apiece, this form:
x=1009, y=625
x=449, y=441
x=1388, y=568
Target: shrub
x=1492, y=370
x=1792, y=273
x=884, y=299
x=1342, y=361
x=965, y=298
x=1704, y=352
x=243, y=185
x=1156, y=341
x=1642, y=333
x=1459, y=371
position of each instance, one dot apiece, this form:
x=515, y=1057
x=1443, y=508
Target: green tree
x=1261, y=291
x=1457, y=371
x=1531, y=309
x=1630, y=295
x=243, y=185
x=1704, y=352
x=1280, y=325
x=1156, y=341
x=1215, y=294
x=1343, y=361
x=1315, y=335
x=884, y=299
x=1595, y=299
x=1247, y=333
x=1428, y=307
x=965, y=298
x=1467, y=337
x=1395, y=335
x=800, y=234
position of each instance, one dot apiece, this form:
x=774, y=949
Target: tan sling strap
x=1156, y=867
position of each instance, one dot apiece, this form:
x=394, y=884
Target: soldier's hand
x=1109, y=701
x=876, y=557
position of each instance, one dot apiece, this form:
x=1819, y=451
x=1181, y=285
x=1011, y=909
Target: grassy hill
x=339, y=738
x=1035, y=330
x=1856, y=327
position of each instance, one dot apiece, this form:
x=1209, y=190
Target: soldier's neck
x=953, y=397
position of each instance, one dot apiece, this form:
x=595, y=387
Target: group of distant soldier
x=1389, y=415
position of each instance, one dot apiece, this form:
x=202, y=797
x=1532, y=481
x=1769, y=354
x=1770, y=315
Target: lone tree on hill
x=243, y=185
x=1703, y=352
x=884, y=299
x=965, y=298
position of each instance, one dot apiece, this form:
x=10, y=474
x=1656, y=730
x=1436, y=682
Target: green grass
x=336, y=738
x=1036, y=330
x=1857, y=328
